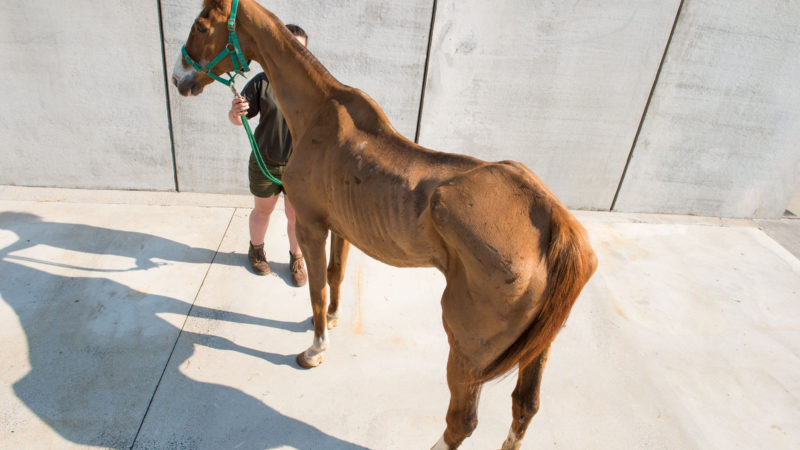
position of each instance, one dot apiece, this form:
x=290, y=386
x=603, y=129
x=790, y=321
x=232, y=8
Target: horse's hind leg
x=462, y=414
x=525, y=400
x=340, y=248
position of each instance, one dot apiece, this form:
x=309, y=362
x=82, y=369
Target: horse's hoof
x=333, y=320
x=309, y=363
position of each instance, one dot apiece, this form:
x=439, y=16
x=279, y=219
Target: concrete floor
x=130, y=319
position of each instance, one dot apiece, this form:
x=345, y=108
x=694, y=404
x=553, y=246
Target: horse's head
x=209, y=51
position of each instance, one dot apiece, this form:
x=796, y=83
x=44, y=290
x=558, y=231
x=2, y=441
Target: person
x=275, y=145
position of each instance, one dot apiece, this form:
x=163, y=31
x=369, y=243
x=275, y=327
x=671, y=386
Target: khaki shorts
x=261, y=186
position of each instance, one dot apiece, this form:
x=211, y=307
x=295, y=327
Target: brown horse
x=514, y=258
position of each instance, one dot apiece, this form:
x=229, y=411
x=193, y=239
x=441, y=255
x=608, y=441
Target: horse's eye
x=201, y=28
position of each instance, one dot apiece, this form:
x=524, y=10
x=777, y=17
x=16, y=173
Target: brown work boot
x=258, y=260
x=298, y=269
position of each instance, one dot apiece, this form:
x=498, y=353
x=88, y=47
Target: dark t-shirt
x=272, y=133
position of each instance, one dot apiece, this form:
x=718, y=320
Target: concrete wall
x=579, y=91
x=559, y=86
x=83, y=95
x=722, y=132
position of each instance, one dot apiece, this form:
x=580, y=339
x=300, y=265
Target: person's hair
x=297, y=31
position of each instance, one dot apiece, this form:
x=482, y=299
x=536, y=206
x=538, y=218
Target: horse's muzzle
x=185, y=79
x=188, y=86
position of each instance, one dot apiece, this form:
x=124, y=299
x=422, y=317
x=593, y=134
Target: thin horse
x=513, y=257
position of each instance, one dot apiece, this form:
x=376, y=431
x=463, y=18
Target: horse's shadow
x=97, y=349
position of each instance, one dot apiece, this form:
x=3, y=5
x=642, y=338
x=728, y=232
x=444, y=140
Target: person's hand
x=239, y=106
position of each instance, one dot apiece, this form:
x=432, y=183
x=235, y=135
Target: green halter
x=232, y=49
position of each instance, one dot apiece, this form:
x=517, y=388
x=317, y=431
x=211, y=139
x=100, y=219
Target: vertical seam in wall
x=166, y=96
x=425, y=73
x=647, y=106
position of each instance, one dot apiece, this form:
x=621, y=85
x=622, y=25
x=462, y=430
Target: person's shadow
x=84, y=334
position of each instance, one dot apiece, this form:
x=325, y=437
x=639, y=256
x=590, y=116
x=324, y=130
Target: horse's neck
x=301, y=84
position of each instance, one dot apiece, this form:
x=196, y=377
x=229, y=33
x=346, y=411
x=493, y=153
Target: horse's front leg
x=340, y=248
x=312, y=242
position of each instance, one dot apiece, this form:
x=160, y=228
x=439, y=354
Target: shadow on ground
x=97, y=348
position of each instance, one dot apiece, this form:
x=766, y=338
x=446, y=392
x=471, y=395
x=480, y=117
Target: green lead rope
x=257, y=154
x=254, y=146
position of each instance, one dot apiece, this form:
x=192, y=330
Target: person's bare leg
x=259, y=222
x=259, y=218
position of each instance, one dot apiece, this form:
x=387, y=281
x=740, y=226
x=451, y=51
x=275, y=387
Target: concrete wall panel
x=559, y=86
x=376, y=46
x=83, y=95
x=721, y=134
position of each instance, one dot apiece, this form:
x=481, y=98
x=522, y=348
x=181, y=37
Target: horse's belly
x=399, y=245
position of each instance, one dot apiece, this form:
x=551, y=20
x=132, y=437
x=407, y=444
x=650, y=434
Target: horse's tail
x=570, y=263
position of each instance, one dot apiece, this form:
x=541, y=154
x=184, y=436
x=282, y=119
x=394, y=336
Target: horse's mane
x=225, y=6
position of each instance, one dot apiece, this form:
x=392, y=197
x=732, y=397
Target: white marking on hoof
x=441, y=445
x=320, y=343
x=333, y=320
x=512, y=442
x=313, y=356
